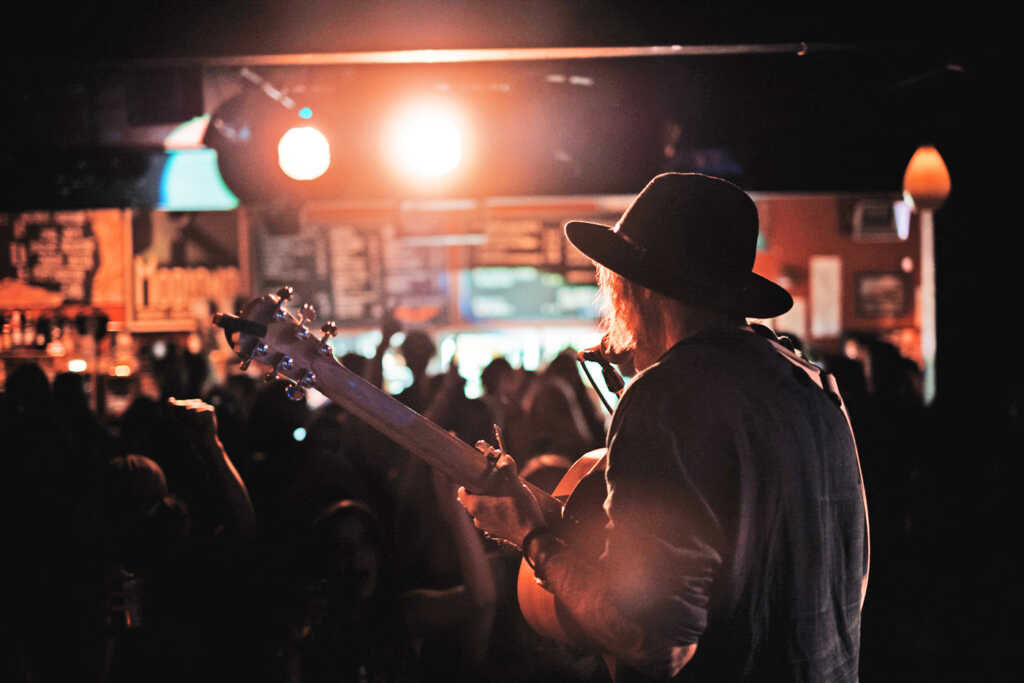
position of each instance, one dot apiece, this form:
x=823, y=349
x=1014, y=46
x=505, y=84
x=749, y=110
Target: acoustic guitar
x=267, y=333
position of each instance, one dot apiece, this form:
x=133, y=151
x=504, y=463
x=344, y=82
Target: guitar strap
x=827, y=383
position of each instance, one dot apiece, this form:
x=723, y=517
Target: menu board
x=51, y=259
x=297, y=260
x=357, y=273
x=416, y=286
x=518, y=242
x=428, y=268
x=535, y=243
x=354, y=271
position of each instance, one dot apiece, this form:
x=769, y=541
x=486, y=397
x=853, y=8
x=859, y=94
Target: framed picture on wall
x=882, y=294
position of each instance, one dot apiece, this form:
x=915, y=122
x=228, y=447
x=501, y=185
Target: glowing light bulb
x=304, y=153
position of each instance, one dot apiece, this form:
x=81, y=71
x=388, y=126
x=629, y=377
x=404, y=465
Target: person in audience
x=502, y=396
x=563, y=419
x=345, y=616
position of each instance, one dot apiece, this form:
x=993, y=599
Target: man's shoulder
x=677, y=378
x=714, y=357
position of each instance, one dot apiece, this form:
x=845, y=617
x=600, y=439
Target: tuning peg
x=286, y=363
x=308, y=379
x=295, y=392
x=245, y=364
x=307, y=312
x=285, y=293
x=330, y=329
x=260, y=349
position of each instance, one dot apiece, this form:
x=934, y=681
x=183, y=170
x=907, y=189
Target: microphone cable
x=612, y=379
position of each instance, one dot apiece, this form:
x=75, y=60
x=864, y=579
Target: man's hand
x=198, y=418
x=509, y=515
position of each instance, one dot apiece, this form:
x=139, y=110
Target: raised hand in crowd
x=199, y=420
x=374, y=370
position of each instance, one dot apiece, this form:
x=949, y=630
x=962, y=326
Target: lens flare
x=425, y=140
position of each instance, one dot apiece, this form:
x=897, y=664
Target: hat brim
x=755, y=296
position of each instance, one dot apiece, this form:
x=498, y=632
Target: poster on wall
x=185, y=265
x=55, y=259
x=882, y=294
x=826, y=296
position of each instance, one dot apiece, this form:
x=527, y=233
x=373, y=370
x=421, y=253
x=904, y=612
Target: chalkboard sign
x=353, y=271
x=301, y=261
x=356, y=273
x=416, y=283
x=55, y=252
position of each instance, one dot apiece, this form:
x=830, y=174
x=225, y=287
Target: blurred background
x=408, y=167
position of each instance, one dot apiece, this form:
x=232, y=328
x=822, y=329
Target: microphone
x=612, y=379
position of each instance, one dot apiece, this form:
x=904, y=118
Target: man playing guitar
x=734, y=515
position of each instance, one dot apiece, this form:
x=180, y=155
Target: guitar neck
x=266, y=332
x=409, y=429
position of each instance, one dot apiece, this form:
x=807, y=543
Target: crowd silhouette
x=221, y=531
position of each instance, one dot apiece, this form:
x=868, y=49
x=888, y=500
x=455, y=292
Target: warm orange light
x=77, y=365
x=304, y=153
x=122, y=370
x=926, y=182
x=425, y=140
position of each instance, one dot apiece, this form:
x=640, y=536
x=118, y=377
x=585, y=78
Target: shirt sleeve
x=664, y=547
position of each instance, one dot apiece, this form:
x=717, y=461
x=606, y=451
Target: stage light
x=304, y=153
x=77, y=365
x=425, y=140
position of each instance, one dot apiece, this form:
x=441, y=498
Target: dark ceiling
x=116, y=29
x=873, y=84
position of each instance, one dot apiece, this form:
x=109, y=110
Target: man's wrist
x=538, y=546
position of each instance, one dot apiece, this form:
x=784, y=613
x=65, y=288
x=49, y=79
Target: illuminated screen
x=191, y=181
x=523, y=293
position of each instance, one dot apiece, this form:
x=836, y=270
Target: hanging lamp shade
x=926, y=182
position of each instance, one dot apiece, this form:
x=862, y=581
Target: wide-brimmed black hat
x=689, y=236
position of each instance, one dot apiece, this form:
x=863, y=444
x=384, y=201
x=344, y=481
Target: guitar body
x=581, y=526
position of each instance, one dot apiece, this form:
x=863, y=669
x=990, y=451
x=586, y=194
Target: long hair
x=631, y=314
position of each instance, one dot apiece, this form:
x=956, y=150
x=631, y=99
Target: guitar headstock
x=265, y=331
